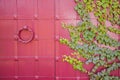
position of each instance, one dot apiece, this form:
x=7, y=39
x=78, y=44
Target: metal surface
x=41, y=57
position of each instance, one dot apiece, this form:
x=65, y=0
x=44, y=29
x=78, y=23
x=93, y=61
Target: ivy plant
x=86, y=38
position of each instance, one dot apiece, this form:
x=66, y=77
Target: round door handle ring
x=20, y=39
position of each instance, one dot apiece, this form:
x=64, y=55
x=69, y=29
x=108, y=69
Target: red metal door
x=41, y=57
x=21, y=59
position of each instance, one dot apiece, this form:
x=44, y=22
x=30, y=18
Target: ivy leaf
x=106, y=77
x=84, y=1
x=119, y=57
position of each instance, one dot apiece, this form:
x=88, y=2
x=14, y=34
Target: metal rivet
x=36, y=77
x=78, y=78
x=16, y=77
x=36, y=58
x=57, y=17
x=57, y=78
x=16, y=58
x=36, y=16
x=25, y=27
x=36, y=37
x=57, y=59
x=15, y=16
x=15, y=37
x=57, y=37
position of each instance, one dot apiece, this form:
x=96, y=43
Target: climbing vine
x=91, y=41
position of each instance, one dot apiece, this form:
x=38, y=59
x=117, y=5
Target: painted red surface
x=39, y=59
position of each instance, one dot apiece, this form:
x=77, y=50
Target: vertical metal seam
x=37, y=64
x=54, y=40
x=16, y=42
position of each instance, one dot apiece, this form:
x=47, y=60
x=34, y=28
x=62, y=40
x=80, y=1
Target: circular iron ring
x=20, y=39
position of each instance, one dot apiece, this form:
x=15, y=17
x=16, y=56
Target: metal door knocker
x=25, y=28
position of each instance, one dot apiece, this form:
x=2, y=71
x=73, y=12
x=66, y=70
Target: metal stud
x=15, y=16
x=57, y=59
x=36, y=16
x=57, y=78
x=78, y=78
x=36, y=37
x=57, y=17
x=57, y=37
x=16, y=58
x=16, y=77
x=36, y=58
x=36, y=77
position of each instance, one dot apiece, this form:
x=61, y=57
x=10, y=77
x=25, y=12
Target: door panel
x=27, y=50
x=7, y=49
x=8, y=28
x=46, y=9
x=26, y=67
x=8, y=10
x=7, y=68
x=46, y=29
x=46, y=67
x=8, y=45
x=46, y=48
x=26, y=9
